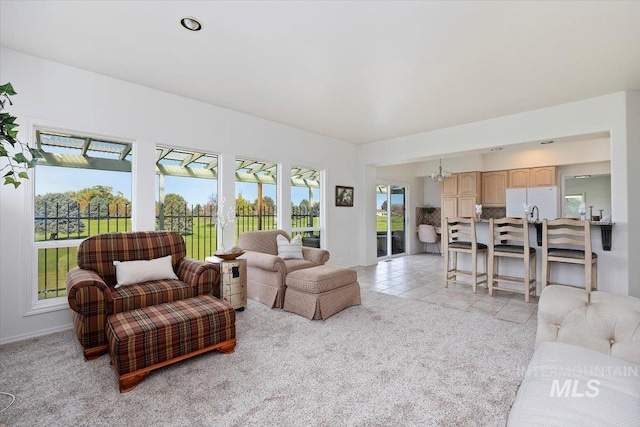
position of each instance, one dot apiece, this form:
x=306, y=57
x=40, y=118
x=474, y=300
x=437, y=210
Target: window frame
x=32, y=305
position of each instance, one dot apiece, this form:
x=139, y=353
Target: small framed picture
x=344, y=196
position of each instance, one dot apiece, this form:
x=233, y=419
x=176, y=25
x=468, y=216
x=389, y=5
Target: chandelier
x=441, y=175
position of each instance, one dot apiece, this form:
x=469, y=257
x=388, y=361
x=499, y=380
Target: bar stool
x=456, y=229
x=502, y=232
x=571, y=232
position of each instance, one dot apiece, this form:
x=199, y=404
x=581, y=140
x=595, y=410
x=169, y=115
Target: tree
x=383, y=206
x=177, y=216
x=56, y=213
x=397, y=209
x=98, y=207
x=242, y=204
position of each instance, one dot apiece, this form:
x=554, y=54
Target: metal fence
x=67, y=221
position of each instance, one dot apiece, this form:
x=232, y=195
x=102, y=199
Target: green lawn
x=54, y=263
x=397, y=223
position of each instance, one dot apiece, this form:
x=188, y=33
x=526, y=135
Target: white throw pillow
x=132, y=272
x=289, y=249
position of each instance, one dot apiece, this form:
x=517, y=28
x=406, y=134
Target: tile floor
x=420, y=277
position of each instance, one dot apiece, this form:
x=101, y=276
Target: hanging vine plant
x=15, y=157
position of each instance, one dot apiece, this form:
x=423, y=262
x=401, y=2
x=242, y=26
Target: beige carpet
x=390, y=361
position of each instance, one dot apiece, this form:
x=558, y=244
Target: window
x=573, y=202
x=256, y=195
x=82, y=188
x=305, y=205
x=187, y=197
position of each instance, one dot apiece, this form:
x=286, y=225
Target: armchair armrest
x=87, y=293
x=264, y=261
x=204, y=276
x=315, y=255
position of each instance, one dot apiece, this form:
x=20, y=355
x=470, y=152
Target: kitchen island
x=560, y=273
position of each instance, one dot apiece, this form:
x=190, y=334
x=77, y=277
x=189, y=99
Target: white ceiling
x=356, y=71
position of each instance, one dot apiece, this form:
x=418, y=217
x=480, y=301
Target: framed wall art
x=344, y=196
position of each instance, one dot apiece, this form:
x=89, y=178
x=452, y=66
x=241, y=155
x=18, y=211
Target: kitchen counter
x=605, y=232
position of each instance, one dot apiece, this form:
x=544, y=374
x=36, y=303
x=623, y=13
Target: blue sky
x=195, y=190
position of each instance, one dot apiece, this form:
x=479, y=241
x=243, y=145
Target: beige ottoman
x=320, y=292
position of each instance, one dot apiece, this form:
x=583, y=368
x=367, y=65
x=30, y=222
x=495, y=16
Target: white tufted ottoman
x=585, y=370
x=320, y=292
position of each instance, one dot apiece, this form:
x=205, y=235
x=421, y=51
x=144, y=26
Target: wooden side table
x=233, y=281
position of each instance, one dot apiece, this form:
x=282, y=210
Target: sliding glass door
x=391, y=220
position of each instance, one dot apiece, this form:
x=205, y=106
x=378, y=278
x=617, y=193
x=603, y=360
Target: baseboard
x=36, y=334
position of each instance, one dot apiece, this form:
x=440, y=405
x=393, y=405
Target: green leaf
x=23, y=175
x=20, y=158
x=3, y=151
x=9, y=180
x=7, y=88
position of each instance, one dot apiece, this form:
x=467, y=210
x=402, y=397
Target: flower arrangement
x=223, y=219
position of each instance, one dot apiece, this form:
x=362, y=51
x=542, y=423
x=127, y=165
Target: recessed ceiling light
x=496, y=149
x=582, y=176
x=546, y=142
x=191, y=24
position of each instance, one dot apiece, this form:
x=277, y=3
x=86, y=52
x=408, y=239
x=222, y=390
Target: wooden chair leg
x=535, y=275
x=545, y=272
x=446, y=269
x=474, y=271
x=595, y=276
x=587, y=276
x=493, y=269
x=486, y=269
x=526, y=281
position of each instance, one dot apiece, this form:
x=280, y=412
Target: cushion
x=567, y=385
x=132, y=272
x=289, y=249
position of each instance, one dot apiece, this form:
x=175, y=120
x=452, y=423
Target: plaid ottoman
x=322, y=291
x=149, y=338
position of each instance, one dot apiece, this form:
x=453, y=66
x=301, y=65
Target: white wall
x=614, y=114
x=57, y=95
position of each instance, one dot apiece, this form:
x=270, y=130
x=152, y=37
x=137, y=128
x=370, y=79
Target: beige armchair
x=266, y=271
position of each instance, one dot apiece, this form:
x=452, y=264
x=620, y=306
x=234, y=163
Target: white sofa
x=585, y=370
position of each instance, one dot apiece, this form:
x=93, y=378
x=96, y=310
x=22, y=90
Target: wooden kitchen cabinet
x=494, y=189
x=533, y=177
x=469, y=184
x=449, y=207
x=450, y=186
x=543, y=177
x=467, y=206
x=519, y=178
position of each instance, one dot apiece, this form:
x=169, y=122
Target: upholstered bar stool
x=572, y=233
x=460, y=237
x=509, y=238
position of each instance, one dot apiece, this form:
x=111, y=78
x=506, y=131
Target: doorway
x=391, y=220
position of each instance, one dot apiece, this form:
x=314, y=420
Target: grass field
x=397, y=223
x=54, y=263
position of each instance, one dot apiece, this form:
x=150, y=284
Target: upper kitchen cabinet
x=519, y=178
x=543, y=177
x=469, y=184
x=533, y=177
x=450, y=186
x=494, y=189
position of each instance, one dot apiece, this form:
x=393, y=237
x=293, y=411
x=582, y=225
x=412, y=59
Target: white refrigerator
x=547, y=200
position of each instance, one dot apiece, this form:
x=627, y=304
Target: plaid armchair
x=266, y=271
x=91, y=288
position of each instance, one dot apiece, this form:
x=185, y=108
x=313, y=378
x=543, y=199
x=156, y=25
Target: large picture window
x=305, y=205
x=82, y=188
x=256, y=195
x=187, y=197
